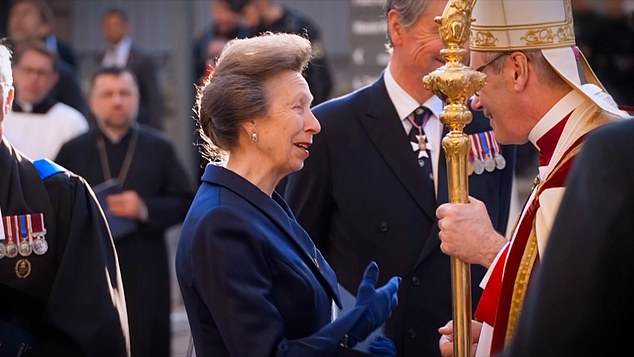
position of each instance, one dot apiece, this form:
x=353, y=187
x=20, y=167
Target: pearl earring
x=254, y=136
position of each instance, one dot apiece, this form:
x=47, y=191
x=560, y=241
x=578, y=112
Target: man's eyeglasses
x=481, y=68
x=39, y=73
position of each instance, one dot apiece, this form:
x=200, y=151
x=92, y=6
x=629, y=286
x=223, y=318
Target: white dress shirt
x=405, y=105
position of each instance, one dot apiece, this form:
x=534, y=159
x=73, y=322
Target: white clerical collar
x=403, y=102
x=26, y=107
x=562, y=108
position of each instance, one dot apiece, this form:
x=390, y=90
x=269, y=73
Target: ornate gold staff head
x=454, y=82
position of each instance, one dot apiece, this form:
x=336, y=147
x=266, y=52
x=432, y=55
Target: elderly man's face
x=114, y=100
x=34, y=76
x=420, y=43
x=496, y=99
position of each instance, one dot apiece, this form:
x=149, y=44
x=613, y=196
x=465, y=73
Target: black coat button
x=411, y=333
x=415, y=281
x=383, y=227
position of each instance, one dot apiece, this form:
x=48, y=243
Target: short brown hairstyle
x=37, y=46
x=114, y=71
x=235, y=92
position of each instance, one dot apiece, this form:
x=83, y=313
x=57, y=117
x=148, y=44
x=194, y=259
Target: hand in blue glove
x=379, y=303
x=382, y=347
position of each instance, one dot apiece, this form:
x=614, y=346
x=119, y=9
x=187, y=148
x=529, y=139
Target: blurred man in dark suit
x=270, y=15
x=123, y=52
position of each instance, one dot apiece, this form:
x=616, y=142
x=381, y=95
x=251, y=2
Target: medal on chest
x=23, y=235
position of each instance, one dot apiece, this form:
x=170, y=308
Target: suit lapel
x=386, y=132
x=432, y=240
x=131, y=63
x=278, y=212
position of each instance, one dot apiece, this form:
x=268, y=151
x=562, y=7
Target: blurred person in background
x=226, y=24
x=613, y=51
x=144, y=190
x=32, y=20
x=586, y=18
x=271, y=15
x=123, y=52
x=38, y=124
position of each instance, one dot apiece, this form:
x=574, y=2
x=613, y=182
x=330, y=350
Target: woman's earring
x=254, y=136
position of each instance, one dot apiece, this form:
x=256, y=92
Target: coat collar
x=385, y=130
x=276, y=209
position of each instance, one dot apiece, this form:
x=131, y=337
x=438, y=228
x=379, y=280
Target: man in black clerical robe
x=145, y=190
x=61, y=292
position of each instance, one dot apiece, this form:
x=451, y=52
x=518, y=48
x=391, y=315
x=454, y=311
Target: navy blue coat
x=252, y=281
x=361, y=197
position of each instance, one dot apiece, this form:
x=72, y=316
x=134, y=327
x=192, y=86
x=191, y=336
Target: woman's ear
x=247, y=128
x=248, y=125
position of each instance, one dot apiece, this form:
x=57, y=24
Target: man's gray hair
x=409, y=12
x=542, y=68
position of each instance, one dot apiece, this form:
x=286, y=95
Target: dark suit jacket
x=142, y=65
x=65, y=53
x=150, y=96
x=252, y=281
x=360, y=197
x=67, y=89
x=580, y=302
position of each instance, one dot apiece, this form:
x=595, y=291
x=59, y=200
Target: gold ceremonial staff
x=454, y=83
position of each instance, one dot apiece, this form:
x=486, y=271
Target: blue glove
x=382, y=347
x=379, y=303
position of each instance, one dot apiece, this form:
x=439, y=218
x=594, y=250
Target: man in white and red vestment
x=539, y=88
